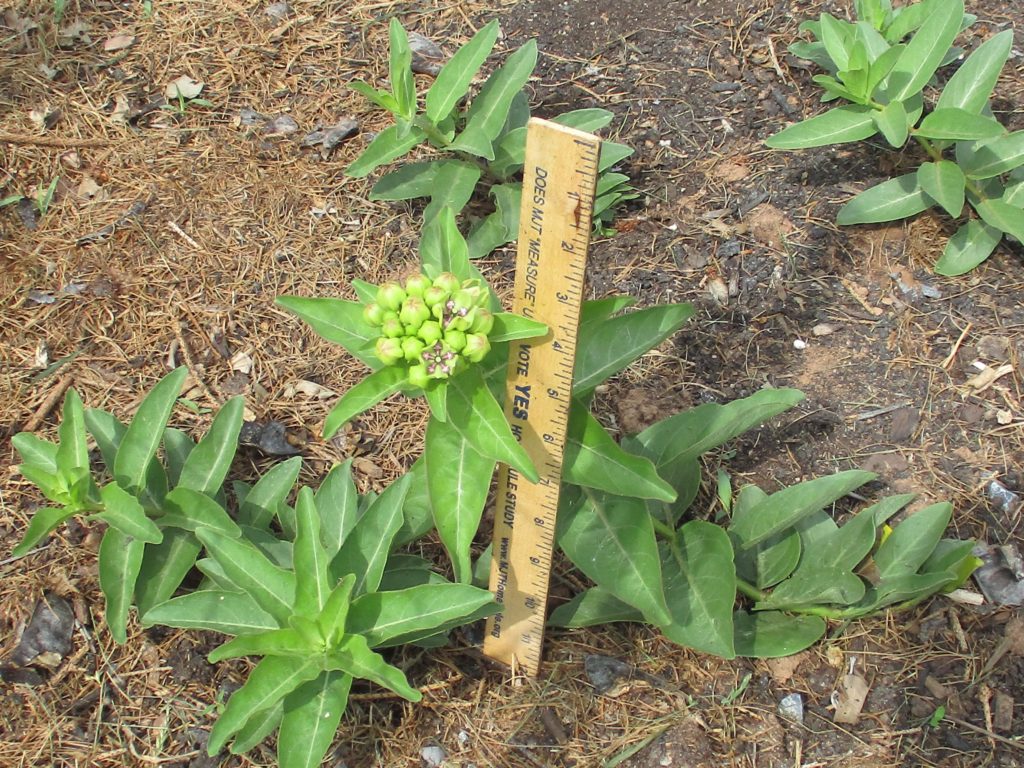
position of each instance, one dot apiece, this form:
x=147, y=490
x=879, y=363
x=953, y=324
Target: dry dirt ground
x=213, y=217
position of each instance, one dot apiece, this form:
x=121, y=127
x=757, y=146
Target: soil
x=212, y=219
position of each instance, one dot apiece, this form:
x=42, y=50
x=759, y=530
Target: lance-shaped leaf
x=893, y=123
x=406, y=183
x=490, y=108
x=391, y=618
x=773, y=559
x=404, y=571
x=700, y=588
x=312, y=583
x=272, y=588
x=269, y=682
x=337, y=320
x=972, y=84
x=1001, y=215
x=208, y=463
x=177, y=448
x=458, y=479
x=611, y=539
x=139, y=443
x=263, y=500
x=473, y=411
x=925, y=51
x=958, y=124
x=454, y=184
x=508, y=327
x=851, y=122
x=385, y=147
x=164, y=567
x=257, y=728
x=36, y=451
x=971, y=245
x=337, y=501
x=944, y=182
x=912, y=541
x=443, y=248
x=312, y=713
x=994, y=157
x=784, y=509
x=593, y=607
x=594, y=460
x=333, y=619
x=272, y=642
x=216, y=610
x=44, y=522
x=190, y=510
x=122, y=511
x=606, y=348
x=382, y=99
x=772, y=634
x=365, y=551
x=595, y=311
x=120, y=558
x=364, y=395
x=354, y=656
x=107, y=431
x=72, y=453
x=835, y=35
x=402, y=86
x=455, y=77
x=893, y=199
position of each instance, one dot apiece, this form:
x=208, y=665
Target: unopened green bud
x=392, y=327
x=447, y=282
x=482, y=322
x=414, y=312
x=477, y=347
x=390, y=296
x=416, y=284
x=462, y=323
x=389, y=351
x=373, y=314
x=455, y=339
x=412, y=348
x=418, y=376
x=435, y=297
x=430, y=331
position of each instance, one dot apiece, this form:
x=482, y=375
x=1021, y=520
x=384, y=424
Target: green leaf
x=971, y=245
x=385, y=147
x=474, y=412
x=382, y=99
x=611, y=539
x=490, y=108
x=365, y=551
x=230, y=613
x=925, y=51
x=402, y=85
x=893, y=199
x=773, y=559
x=140, y=441
x=164, y=568
x=851, y=122
x=458, y=479
x=312, y=585
x=700, y=587
x=272, y=588
x=336, y=320
x=262, y=502
x=944, y=182
x=120, y=558
x=443, y=249
x=612, y=153
x=835, y=35
x=457, y=75
x=454, y=184
x=607, y=348
x=72, y=453
x=355, y=657
x=772, y=634
x=257, y=728
x=404, y=571
x=107, y=431
x=995, y=157
x=907, y=18
x=835, y=89
x=312, y=713
x=333, y=617
x=44, y=522
x=881, y=67
x=787, y=507
x=391, y=618
x=417, y=517
x=378, y=386
x=338, y=504
x=970, y=87
x=595, y=311
x=190, y=510
x=123, y=512
x=177, y=448
x=36, y=451
x=957, y=124
x=893, y=123
x=273, y=642
x=208, y=463
x=269, y=682
x=593, y=607
x=594, y=460
x=508, y=327
x=1003, y=216
x=410, y=181
x=912, y=541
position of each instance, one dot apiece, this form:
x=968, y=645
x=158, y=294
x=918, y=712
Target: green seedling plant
x=970, y=157
x=181, y=104
x=480, y=145
x=763, y=585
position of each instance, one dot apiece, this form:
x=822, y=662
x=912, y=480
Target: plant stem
x=663, y=529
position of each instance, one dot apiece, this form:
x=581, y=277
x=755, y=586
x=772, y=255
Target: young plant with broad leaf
x=970, y=157
x=763, y=585
x=480, y=143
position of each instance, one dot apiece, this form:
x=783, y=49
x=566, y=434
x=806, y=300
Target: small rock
x=427, y=58
x=47, y=638
x=433, y=756
x=282, y=125
x=792, y=707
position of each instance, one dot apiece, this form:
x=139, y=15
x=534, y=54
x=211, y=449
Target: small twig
x=985, y=732
x=956, y=347
x=879, y=412
x=183, y=235
x=775, y=59
x=186, y=353
x=48, y=404
x=52, y=141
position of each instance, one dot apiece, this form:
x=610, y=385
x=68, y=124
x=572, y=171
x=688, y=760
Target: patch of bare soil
x=170, y=235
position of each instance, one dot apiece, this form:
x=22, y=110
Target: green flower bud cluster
x=435, y=327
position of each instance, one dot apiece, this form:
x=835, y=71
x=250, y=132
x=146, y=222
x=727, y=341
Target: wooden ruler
x=554, y=232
